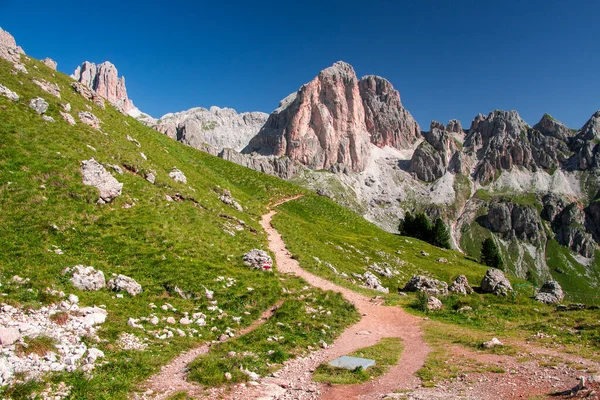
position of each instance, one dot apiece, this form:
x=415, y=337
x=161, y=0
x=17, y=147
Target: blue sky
x=448, y=59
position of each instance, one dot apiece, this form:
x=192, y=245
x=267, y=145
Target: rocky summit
x=104, y=80
x=218, y=127
x=331, y=120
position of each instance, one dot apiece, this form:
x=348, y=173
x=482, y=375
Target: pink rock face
x=322, y=125
x=104, y=80
x=388, y=122
x=8, y=47
x=331, y=120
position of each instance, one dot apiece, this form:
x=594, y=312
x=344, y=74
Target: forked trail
x=377, y=322
x=172, y=378
x=294, y=380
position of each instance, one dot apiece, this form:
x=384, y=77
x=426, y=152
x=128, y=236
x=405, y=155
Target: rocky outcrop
x=95, y=175
x=592, y=222
x=570, y=230
x=39, y=105
x=550, y=293
x=8, y=48
x=387, y=121
x=86, y=278
x=502, y=140
x=258, y=259
x=586, y=145
x=9, y=94
x=461, y=286
x=178, y=176
x=88, y=94
x=104, y=80
x=495, y=282
x=431, y=159
x=514, y=221
x=321, y=125
x=218, y=127
x=454, y=126
x=548, y=126
x=122, y=283
x=419, y=283
x=282, y=167
x=50, y=63
x=89, y=119
x=46, y=86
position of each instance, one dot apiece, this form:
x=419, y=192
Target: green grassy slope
x=161, y=244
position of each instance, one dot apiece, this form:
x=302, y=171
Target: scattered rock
x=68, y=118
x=258, y=259
x=433, y=303
x=50, y=63
x=373, y=282
x=87, y=278
x=495, y=282
x=420, y=283
x=151, y=177
x=39, y=105
x=228, y=199
x=88, y=94
x=492, y=343
x=424, y=253
x=124, y=283
x=550, y=293
x=461, y=285
x=95, y=175
x=66, y=107
x=89, y=119
x=4, y=91
x=177, y=176
x=465, y=309
x=442, y=260
x=46, y=86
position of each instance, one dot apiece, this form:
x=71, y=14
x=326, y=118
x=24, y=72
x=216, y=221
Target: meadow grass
x=386, y=354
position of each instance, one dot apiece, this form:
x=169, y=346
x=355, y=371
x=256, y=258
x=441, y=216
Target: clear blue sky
x=448, y=59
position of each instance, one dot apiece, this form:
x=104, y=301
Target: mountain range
x=531, y=188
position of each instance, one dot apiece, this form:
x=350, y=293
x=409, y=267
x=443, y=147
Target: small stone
x=8, y=336
x=492, y=343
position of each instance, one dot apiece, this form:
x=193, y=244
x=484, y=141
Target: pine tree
x=422, y=227
x=440, y=235
x=490, y=255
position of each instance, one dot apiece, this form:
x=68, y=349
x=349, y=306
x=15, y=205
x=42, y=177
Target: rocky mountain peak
x=388, y=122
x=591, y=129
x=503, y=140
x=218, y=127
x=340, y=69
x=548, y=126
x=454, y=126
x=585, y=145
x=104, y=80
x=8, y=47
x=432, y=158
x=322, y=125
x=331, y=120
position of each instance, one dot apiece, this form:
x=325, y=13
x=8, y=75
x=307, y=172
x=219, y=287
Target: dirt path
x=172, y=377
x=294, y=381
